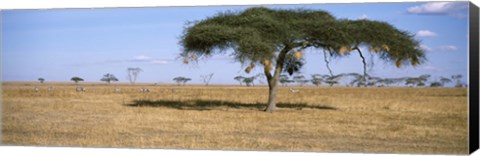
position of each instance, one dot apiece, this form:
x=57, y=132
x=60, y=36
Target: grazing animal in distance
x=144, y=90
x=294, y=90
x=117, y=90
x=50, y=88
x=36, y=89
x=80, y=89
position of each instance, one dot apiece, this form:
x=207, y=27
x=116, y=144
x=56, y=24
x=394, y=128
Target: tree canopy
x=108, y=78
x=76, y=79
x=181, y=80
x=41, y=80
x=258, y=34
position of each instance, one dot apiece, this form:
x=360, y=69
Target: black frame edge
x=473, y=78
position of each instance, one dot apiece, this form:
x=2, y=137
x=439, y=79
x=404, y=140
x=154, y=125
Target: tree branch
x=279, y=64
x=364, y=66
x=267, y=74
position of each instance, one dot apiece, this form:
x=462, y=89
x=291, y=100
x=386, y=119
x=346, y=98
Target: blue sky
x=57, y=44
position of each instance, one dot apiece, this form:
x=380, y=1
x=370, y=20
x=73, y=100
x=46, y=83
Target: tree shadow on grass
x=212, y=104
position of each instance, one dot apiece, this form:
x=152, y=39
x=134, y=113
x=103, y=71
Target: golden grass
x=320, y=119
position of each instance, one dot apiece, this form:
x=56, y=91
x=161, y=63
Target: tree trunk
x=273, y=80
x=272, y=95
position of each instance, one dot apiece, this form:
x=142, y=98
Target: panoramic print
x=356, y=78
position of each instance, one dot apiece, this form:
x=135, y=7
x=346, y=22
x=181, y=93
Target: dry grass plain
x=318, y=119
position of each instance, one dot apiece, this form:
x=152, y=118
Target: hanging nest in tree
x=267, y=64
x=193, y=56
x=344, y=49
x=252, y=65
x=248, y=69
x=385, y=47
x=188, y=57
x=375, y=49
x=298, y=54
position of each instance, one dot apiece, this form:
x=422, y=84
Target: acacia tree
x=300, y=79
x=206, y=78
x=358, y=80
x=457, y=80
x=76, y=79
x=41, y=80
x=239, y=79
x=275, y=39
x=132, y=74
x=283, y=79
x=317, y=79
x=332, y=80
x=444, y=80
x=181, y=80
x=417, y=81
x=109, y=78
x=249, y=81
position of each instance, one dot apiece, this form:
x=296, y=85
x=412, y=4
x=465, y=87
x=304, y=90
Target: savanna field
x=316, y=119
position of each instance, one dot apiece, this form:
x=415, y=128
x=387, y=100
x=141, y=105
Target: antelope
x=36, y=89
x=117, y=89
x=80, y=89
x=294, y=90
x=144, y=90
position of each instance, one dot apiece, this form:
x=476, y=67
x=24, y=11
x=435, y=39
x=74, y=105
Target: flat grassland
x=318, y=119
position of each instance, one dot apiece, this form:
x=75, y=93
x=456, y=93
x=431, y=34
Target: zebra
x=80, y=89
x=294, y=90
x=144, y=90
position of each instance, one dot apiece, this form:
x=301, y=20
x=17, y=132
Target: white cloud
x=426, y=48
x=432, y=68
x=456, y=9
x=447, y=48
x=159, y=62
x=141, y=58
x=439, y=48
x=426, y=33
x=364, y=16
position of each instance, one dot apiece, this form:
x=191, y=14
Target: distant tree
x=417, y=81
x=76, y=79
x=206, y=78
x=358, y=80
x=239, y=79
x=391, y=81
x=332, y=80
x=444, y=80
x=300, y=79
x=436, y=84
x=457, y=80
x=132, y=74
x=181, y=80
x=41, y=80
x=411, y=81
x=249, y=81
x=109, y=78
x=373, y=81
x=317, y=79
x=283, y=79
x=388, y=81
